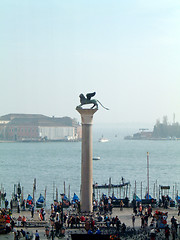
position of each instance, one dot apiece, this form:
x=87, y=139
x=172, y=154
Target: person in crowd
x=19, y=221
x=146, y=219
x=173, y=232
x=98, y=231
x=24, y=221
x=113, y=221
x=18, y=206
x=6, y=203
x=179, y=210
x=87, y=225
x=23, y=205
x=82, y=218
x=149, y=211
x=32, y=211
x=28, y=236
x=133, y=220
x=43, y=213
x=135, y=210
x=121, y=205
x=108, y=222
x=140, y=209
x=118, y=224
x=142, y=221
x=174, y=225
x=23, y=233
x=77, y=220
x=11, y=204
x=152, y=234
x=123, y=228
x=65, y=218
x=37, y=235
x=58, y=227
x=12, y=223
x=90, y=231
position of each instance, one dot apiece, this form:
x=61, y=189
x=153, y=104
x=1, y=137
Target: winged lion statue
x=87, y=100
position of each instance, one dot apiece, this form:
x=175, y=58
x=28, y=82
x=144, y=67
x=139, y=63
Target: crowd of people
x=158, y=221
x=8, y=224
x=102, y=218
x=18, y=234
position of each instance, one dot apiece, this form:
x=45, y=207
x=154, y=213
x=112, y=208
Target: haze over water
x=61, y=161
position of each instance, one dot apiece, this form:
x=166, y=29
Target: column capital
x=86, y=115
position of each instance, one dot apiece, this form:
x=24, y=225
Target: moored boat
x=40, y=202
x=178, y=199
x=96, y=158
x=102, y=139
x=65, y=201
x=75, y=198
x=29, y=201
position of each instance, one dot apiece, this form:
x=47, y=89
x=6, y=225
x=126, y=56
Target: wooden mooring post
x=45, y=191
x=53, y=190
x=69, y=193
x=56, y=194
x=64, y=187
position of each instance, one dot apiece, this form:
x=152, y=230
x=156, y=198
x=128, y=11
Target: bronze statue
x=87, y=100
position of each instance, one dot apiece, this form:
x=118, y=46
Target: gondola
x=65, y=201
x=40, y=202
x=29, y=201
x=178, y=199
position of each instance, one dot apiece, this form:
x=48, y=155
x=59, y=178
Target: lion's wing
x=90, y=95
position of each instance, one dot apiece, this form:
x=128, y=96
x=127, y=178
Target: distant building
x=142, y=135
x=37, y=127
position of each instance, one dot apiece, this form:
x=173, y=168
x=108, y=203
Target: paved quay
x=125, y=216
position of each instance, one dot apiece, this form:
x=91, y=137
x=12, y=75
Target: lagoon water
x=57, y=162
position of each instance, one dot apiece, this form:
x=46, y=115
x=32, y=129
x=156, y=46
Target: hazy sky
x=126, y=51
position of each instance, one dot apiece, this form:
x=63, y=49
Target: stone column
x=86, y=160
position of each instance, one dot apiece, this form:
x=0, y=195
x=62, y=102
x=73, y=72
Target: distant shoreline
x=152, y=139
x=32, y=141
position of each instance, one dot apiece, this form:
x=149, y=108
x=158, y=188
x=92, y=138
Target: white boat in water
x=96, y=158
x=102, y=139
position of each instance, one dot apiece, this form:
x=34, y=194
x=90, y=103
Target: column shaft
x=86, y=160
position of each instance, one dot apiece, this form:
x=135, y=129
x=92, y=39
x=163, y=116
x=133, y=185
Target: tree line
x=165, y=129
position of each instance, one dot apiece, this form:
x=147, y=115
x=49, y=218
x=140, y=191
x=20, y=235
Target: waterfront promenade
x=125, y=216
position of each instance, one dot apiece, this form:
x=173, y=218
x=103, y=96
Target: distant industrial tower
x=174, y=118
